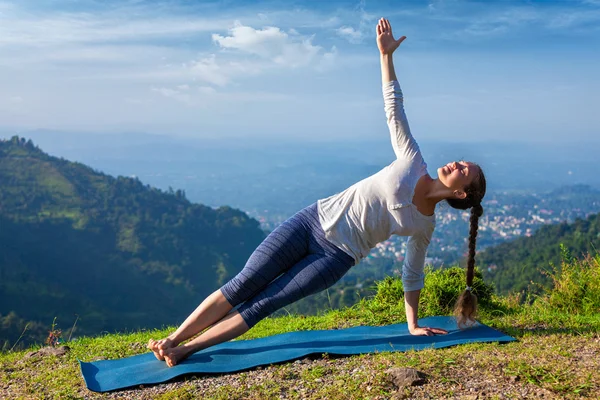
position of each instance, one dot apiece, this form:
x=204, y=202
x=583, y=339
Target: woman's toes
x=169, y=361
x=165, y=344
x=152, y=346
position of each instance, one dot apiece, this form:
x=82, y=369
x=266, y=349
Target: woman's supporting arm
x=413, y=280
x=411, y=303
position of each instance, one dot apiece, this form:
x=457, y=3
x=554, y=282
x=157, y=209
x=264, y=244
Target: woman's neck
x=429, y=192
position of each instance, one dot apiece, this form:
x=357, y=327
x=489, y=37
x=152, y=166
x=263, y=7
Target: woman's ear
x=459, y=194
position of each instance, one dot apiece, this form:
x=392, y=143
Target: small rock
x=45, y=351
x=402, y=377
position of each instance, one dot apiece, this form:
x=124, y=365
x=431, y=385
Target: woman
x=313, y=249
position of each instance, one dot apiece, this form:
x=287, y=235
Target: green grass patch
x=558, y=350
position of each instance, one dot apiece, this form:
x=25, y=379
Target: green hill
x=113, y=252
x=556, y=355
x=513, y=265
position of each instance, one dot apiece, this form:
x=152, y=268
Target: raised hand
x=385, y=40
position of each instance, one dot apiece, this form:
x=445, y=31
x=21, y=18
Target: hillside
x=111, y=253
x=556, y=355
x=513, y=265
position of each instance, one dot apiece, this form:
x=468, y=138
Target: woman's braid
x=466, y=305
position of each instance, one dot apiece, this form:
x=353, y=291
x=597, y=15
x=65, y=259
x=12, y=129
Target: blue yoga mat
x=144, y=369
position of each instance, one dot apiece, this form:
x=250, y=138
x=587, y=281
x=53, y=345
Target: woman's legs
x=280, y=250
x=211, y=310
x=293, y=262
x=314, y=273
x=230, y=327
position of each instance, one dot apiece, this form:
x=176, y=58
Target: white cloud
x=350, y=34
x=574, y=19
x=366, y=25
x=207, y=90
x=166, y=92
x=498, y=20
x=328, y=60
x=121, y=43
x=271, y=43
x=247, y=51
x=202, y=96
x=85, y=28
x=265, y=42
x=209, y=71
x=136, y=101
x=221, y=71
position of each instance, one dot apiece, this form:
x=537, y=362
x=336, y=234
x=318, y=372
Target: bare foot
x=157, y=345
x=174, y=355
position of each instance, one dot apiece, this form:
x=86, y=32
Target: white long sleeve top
x=372, y=210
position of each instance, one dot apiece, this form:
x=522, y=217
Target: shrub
x=442, y=288
x=576, y=287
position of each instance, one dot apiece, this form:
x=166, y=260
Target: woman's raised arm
x=403, y=143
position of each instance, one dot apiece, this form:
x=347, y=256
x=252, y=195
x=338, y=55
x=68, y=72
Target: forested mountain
x=115, y=252
x=513, y=265
x=118, y=254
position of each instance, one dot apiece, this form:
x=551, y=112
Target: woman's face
x=457, y=175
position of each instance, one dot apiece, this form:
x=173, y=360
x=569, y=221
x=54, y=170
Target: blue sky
x=470, y=70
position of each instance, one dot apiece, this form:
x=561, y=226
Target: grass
x=557, y=352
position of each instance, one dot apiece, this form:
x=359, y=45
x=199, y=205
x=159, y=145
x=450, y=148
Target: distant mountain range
x=114, y=252
x=282, y=175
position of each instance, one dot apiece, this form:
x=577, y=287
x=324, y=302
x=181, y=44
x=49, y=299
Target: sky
x=307, y=70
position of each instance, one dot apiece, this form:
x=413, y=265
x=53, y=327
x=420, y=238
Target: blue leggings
x=294, y=261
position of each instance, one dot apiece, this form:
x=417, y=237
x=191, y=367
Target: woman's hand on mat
x=426, y=331
x=385, y=40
